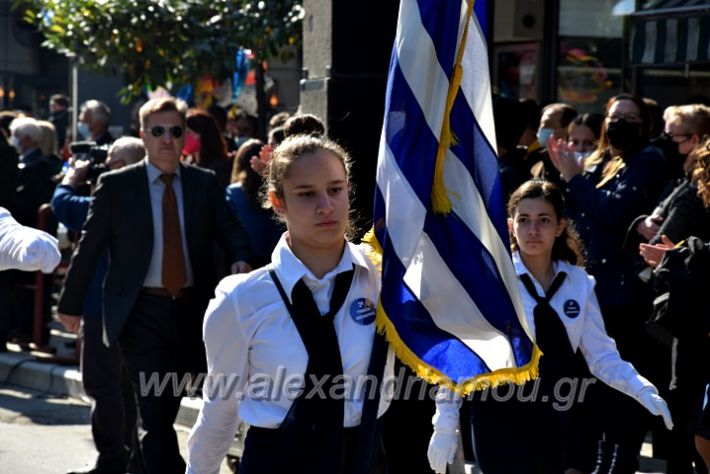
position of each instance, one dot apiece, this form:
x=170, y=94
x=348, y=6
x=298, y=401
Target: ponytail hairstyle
x=567, y=246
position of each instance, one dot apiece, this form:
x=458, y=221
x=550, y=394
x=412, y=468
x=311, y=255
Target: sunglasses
x=159, y=131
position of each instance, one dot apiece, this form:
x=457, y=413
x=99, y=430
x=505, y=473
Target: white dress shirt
x=252, y=342
x=576, y=304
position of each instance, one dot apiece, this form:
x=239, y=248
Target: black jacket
x=602, y=217
x=120, y=220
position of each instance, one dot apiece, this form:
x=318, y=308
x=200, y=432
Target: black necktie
x=548, y=327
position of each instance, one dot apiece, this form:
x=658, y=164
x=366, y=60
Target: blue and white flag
x=449, y=305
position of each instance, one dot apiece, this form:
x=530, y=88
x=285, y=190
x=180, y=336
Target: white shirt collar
x=520, y=267
x=154, y=173
x=290, y=269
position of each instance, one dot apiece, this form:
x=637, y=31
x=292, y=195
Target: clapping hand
x=653, y=254
x=258, y=163
x=562, y=156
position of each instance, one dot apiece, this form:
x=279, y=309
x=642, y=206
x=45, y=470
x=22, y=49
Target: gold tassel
x=440, y=202
x=384, y=326
x=431, y=375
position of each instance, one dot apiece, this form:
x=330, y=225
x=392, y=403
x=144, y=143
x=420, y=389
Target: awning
x=668, y=32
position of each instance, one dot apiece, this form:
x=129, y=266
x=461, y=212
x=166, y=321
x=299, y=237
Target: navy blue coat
x=602, y=217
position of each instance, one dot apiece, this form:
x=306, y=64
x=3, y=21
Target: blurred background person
x=48, y=145
x=241, y=126
x=583, y=135
x=205, y=146
x=219, y=114
x=243, y=199
x=59, y=116
x=510, y=124
x=94, y=119
x=34, y=179
x=554, y=121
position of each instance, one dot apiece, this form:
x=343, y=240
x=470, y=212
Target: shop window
x=589, y=56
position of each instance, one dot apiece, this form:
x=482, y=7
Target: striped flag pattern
x=449, y=304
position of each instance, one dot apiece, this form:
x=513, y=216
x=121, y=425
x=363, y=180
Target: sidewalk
x=37, y=372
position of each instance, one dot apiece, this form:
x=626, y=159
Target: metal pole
x=74, y=98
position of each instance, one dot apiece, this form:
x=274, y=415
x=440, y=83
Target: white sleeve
x=446, y=417
x=227, y=372
x=25, y=248
x=602, y=356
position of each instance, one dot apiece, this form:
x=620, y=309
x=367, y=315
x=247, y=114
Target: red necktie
x=174, y=274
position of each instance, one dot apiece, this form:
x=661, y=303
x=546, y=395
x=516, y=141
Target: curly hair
x=567, y=246
x=701, y=174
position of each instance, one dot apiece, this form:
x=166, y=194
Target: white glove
x=25, y=248
x=442, y=449
x=652, y=402
x=445, y=440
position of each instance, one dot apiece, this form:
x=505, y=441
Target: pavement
x=58, y=374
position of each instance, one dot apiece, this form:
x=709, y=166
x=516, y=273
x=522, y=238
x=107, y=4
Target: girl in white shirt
x=523, y=429
x=289, y=346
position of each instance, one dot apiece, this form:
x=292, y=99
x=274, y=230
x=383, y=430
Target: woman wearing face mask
x=680, y=212
x=555, y=120
x=204, y=145
x=583, y=135
x=630, y=182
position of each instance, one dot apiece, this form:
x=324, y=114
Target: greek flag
x=449, y=305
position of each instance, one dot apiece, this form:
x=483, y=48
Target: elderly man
x=94, y=118
x=34, y=178
x=105, y=379
x=157, y=219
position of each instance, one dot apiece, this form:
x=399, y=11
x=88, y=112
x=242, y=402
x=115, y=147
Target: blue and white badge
x=363, y=311
x=571, y=308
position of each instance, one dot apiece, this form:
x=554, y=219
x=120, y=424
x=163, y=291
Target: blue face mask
x=581, y=155
x=83, y=129
x=15, y=143
x=544, y=135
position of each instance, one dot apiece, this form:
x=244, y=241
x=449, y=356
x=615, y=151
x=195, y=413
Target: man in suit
x=157, y=219
x=103, y=372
